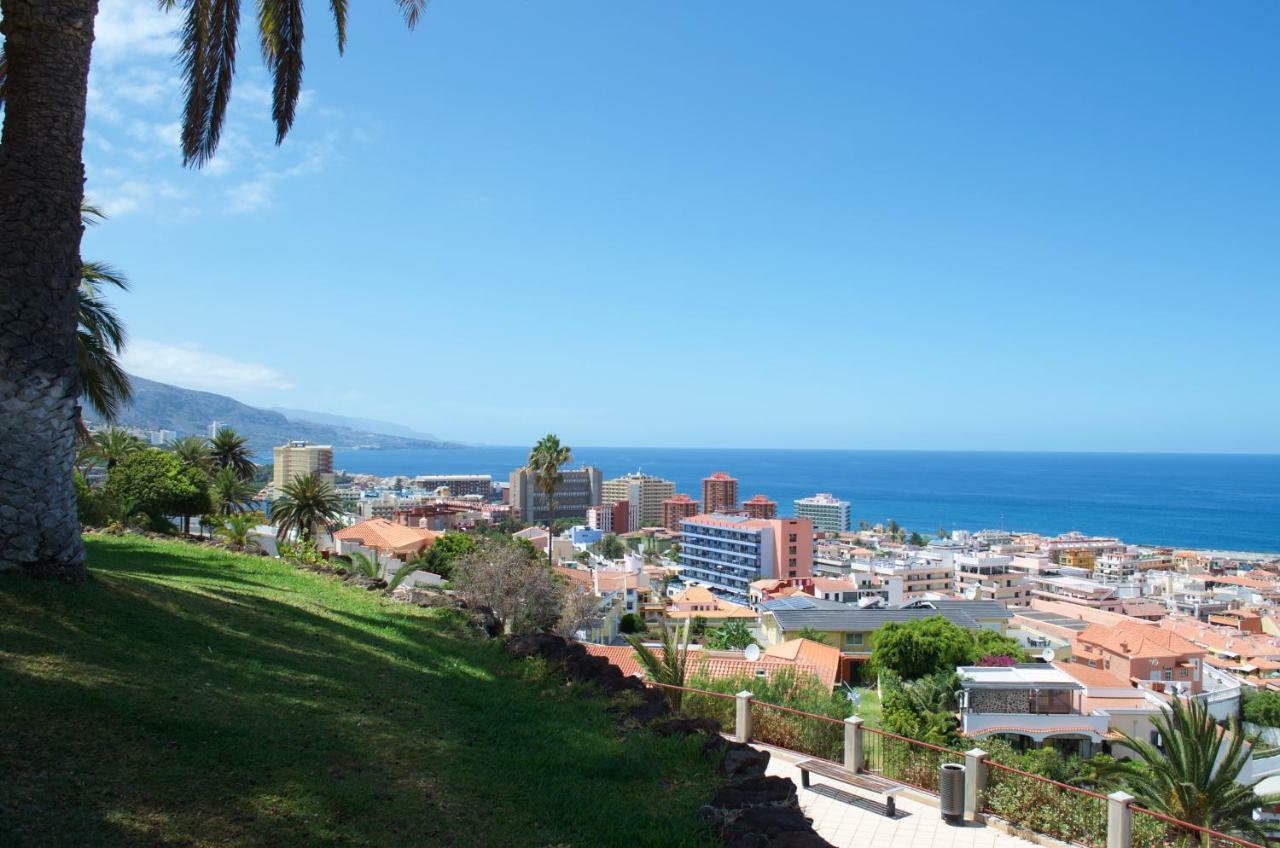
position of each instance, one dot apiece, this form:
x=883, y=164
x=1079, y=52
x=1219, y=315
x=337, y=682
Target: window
x=853, y=640
x=1168, y=674
x=793, y=537
x=792, y=550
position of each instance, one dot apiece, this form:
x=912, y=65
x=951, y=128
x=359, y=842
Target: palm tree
x=193, y=451
x=100, y=336
x=673, y=666
x=305, y=503
x=1195, y=778
x=363, y=565
x=113, y=444
x=235, y=529
x=44, y=83
x=228, y=449
x=230, y=493
x=545, y=461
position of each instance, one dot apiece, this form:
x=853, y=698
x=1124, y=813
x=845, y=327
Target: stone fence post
x=853, y=756
x=742, y=716
x=1119, y=820
x=975, y=782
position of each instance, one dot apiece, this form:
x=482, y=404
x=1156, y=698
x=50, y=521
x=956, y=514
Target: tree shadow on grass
x=142, y=712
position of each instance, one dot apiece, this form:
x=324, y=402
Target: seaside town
x=919, y=359
x=1084, y=643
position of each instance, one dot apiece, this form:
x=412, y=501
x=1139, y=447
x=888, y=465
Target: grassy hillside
x=192, y=697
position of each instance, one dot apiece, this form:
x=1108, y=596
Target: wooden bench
x=862, y=781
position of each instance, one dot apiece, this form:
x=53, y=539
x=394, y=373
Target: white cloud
x=127, y=29
x=191, y=367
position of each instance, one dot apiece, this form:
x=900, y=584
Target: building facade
x=676, y=509
x=760, y=507
x=726, y=553
x=610, y=518
x=643, y=493
x=828, y=513
x=459, y=485
x=577, y=491
x=719, y=494
x=298, y=459
x=990, y=577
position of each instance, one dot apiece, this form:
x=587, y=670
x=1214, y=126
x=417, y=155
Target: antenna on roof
x=751, y=653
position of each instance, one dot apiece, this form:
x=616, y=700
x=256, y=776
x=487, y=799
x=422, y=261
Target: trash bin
x=951, y=792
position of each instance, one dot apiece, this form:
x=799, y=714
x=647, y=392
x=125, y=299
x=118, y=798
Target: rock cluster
x=751, y=809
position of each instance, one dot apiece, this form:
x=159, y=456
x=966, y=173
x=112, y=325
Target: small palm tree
x=362, y=564
x=305, y=503
x=230, y=492
x=100, y=335
x=235, y=529
x=1195, y=778
x=228, y=449
x=672, y=668
x=112, y=445
x=545, y=461
x=403, y=572
x=193, y=451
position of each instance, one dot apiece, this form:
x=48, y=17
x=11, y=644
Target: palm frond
x=412, y=10
x=402, y=573
x=94, y=275
x=280, y=35
x=4, y=74
x=103, y=381
x=339, y=8
x=98, y=319
x=208, y=54
x=193, y=49
x=91, y=214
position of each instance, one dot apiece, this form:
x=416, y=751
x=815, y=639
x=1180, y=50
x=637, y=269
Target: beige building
x=643, y=494
x=298, y=459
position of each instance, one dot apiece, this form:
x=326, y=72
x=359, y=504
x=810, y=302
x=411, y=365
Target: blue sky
x=1024, y=226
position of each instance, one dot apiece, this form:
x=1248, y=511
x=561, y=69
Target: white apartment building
x=644, y=495
x=828, y=513
x=988, y=577
x=1116, y=568
x=298, y=459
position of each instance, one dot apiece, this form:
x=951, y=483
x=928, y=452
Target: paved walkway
x=846, y=817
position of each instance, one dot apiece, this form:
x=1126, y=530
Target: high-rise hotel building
x=577, y=491
x=726, y=553
x=760, y=507
x=719, y=493
x=643, y=493
x=828, y=513
x=298, y=459
x=676, y=509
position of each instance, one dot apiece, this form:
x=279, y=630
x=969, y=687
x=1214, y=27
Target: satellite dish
x=1047, y=655
x=751, y=653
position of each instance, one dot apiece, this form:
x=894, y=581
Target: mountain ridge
x=161, y=406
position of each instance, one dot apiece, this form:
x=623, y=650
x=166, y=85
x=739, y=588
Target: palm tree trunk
x=47, y=43
x=551, y=525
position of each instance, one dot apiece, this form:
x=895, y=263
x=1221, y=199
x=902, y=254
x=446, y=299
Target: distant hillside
x=367, y=425
x=158, y=406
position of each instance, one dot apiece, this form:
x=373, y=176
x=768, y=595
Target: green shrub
x=1263, y=708
x=157, y=483
x=631, y=623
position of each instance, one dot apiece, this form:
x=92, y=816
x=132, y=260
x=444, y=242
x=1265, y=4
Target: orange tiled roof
x=1090, y=676
x=825, y=659
x=387, y=536
x=1138, y=640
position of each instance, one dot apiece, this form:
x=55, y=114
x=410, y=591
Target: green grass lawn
x=191, y=697
x=869, y=707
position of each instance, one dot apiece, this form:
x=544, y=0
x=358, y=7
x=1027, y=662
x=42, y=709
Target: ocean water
x=1187, y=500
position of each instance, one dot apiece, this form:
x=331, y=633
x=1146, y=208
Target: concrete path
x=846, y=817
